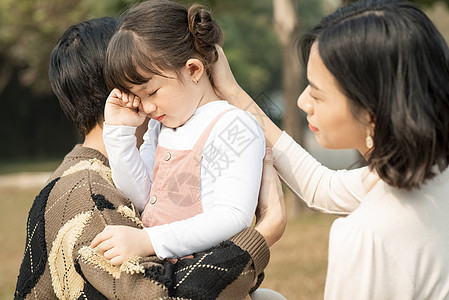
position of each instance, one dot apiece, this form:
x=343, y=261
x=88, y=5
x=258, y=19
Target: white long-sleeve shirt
x=393, y=245
x=230, y=175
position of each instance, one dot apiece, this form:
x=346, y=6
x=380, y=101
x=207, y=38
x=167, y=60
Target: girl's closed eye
x=153, y=93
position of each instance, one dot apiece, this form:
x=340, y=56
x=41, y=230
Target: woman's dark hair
x=76, y=71
x=159, y=35
x=390, y=60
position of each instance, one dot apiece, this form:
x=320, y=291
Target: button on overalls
x=176, y=191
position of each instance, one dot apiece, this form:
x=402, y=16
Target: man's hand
x=123, y=109
x=271, y=217
x=120, y=243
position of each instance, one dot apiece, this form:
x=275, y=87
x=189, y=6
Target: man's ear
x=195, y=69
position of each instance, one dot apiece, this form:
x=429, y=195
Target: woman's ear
x=368, y=119
x=195, y=69
x=372, y=122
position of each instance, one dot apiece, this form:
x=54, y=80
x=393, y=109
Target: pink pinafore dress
x=176, y=191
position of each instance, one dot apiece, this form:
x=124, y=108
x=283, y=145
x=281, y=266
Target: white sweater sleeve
x=131, y=173
x=234, y=154
x=148, y=148
x=322, y=189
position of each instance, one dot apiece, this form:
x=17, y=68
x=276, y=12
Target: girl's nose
x=148, y=108
x=304, y=102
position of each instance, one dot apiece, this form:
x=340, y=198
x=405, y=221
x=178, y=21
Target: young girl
x=378, y=73
x=198, y=173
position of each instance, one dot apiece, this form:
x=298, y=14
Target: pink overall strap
x=199, y=145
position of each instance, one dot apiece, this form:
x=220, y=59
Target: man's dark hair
x=76, y=71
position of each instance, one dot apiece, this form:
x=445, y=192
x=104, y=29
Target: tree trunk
x=287, y=29
x=6, y=71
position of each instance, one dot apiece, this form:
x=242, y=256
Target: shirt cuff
x=118, y=130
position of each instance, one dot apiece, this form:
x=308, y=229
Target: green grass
x=298, y=262
x=15, y=206
x=27, y=165
x=297, y=267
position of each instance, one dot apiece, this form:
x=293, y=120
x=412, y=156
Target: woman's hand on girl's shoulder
x=225, y=84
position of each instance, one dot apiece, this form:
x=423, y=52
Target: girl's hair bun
x=205, y=31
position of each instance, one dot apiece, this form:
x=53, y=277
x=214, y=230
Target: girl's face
x=171, y=100
x=328, y=110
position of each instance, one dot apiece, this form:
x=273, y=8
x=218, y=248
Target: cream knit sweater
x=77, y=203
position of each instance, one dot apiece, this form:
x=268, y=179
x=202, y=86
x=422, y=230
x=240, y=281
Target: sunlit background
x=260, y=41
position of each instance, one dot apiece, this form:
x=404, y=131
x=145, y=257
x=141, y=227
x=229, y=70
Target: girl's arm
x=131, y=170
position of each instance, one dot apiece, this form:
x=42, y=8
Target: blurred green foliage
x=29, y=30
x=420, y=3
x=32, y=124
